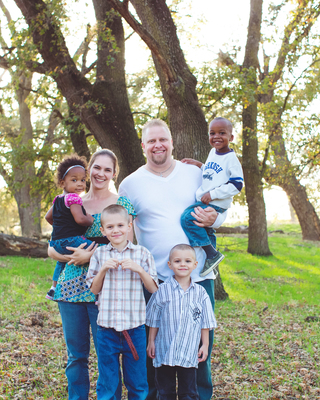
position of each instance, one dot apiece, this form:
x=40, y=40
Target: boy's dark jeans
x=166, y=383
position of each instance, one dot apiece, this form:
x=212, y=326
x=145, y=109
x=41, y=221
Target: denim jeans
x=110, y=345
x=60, y=246
x=204, y=380
x=198, y=236
x=166, y=383
x=76, y=321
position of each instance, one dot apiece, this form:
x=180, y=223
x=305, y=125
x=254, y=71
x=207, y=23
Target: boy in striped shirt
x=179, y=315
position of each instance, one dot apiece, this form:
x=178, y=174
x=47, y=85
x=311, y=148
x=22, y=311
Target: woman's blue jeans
x=76, y=321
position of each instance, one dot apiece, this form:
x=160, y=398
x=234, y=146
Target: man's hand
x=204, y=217
x=192, y=162
x=206, y=198
x=127, y=263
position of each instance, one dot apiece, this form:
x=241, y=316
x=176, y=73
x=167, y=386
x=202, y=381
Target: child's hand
x=127, y=263
x=112, y=263
x=151, y=350
x=192, y=162
x=206, y=198
x=203, y=353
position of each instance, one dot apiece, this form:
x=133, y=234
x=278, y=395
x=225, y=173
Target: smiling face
x=74, y=181
x=220, y=134
x=101, y=172
x=157, y=146
x=182, y=262
x=116, y=228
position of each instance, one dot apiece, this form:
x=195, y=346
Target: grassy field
x=266, y=345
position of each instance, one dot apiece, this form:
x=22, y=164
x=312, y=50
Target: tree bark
x=219, y=291
x=258, y=237
x=284, y=176
x=11, y=245
x=186, y=119
x=102, y=107
x=24, y=174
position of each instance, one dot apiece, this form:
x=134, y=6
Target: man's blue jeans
x=204, y=380
x=110, y=345
x=76, y=321
x=198, y=236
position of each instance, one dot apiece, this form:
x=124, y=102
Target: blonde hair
x=112, y=210
x=182, y=247
x=152, y=123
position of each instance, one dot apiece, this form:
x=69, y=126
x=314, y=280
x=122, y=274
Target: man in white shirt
x=160, y=191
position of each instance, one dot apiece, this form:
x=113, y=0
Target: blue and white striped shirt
x=180, y=315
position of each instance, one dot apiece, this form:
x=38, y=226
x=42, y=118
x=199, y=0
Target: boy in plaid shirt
x=117, y=272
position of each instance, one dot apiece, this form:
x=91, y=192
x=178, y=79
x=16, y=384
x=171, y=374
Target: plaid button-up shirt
x=121, y=300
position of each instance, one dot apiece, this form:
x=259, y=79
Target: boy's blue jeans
x=60, y=246
x=166, y=383
x=198, y=236
x=110, y=345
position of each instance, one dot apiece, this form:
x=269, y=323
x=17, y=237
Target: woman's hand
x=57, y=256
x=80, y=255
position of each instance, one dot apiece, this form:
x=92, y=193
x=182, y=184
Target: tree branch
x=122, y=8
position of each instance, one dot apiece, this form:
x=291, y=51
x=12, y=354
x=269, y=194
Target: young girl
x=67, y=215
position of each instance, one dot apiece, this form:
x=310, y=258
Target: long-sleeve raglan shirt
x=222, y=176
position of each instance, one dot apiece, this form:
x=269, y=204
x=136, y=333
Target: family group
x=151, y=302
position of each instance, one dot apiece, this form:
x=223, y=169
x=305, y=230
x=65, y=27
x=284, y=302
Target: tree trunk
x=102, y=107
x=284, y=176
x=11, y=245
x=219, y=292
x=258, y=236
x=24, y=174
x=186, y=119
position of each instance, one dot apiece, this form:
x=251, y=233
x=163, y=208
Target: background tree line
x=78, y=104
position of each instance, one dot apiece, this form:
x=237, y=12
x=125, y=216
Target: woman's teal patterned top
x=72, y=286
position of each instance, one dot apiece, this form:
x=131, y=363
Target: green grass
x=291, y=275
x=266, y=344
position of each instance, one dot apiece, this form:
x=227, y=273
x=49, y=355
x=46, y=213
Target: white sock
x=53, y=288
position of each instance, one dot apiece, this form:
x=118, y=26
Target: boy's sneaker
x=50, y=294
x=211, y=264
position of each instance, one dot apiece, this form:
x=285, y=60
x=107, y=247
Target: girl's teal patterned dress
x=72, y=284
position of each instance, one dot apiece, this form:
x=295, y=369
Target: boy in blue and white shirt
x=179, y=315
x=222, y=178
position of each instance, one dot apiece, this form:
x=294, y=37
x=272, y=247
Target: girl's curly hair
x=67, y=162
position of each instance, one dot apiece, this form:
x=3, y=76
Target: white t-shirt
x=159, y=203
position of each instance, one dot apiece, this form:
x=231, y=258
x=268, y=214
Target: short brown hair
x=183, y=247
x=114, y=209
